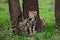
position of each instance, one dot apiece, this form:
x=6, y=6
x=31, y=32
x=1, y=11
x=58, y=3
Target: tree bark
x=15, y=14
x=32, y=5
x=57, y=14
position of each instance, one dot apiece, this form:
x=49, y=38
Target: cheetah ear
x=35, y=12
x=29, y=11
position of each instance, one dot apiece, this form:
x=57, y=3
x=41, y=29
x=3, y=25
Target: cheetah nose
x=30, y=16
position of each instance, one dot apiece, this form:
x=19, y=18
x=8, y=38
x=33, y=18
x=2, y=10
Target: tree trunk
x=57, y=14
x=32, y=5
x=15, y=14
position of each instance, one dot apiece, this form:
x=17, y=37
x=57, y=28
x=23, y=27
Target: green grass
x=46, y=10
x=4, y=14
